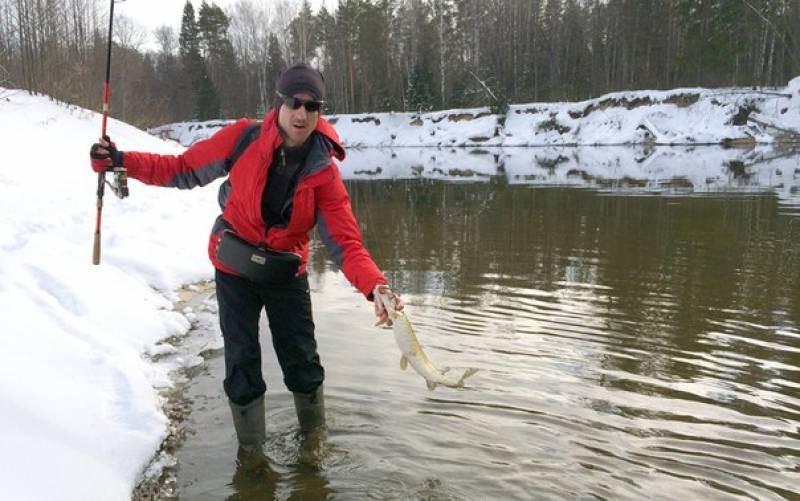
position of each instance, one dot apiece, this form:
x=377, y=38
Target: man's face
x=297, y=124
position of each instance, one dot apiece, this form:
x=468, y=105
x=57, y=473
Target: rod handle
x=96, y=249
x=101, y=183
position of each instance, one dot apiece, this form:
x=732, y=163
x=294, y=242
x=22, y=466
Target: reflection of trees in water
x=678, y=269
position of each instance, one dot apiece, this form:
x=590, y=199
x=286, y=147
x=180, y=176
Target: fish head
x=389, y=303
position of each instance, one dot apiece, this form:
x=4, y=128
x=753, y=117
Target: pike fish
x=413, y=354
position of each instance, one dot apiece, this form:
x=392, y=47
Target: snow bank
x=675, y=117
x=187, y=133
x=80, y=416
x=681, y=169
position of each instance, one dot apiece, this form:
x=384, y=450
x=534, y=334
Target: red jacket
x=320, y=197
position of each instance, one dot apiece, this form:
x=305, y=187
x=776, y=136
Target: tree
x=375, y=70
x=275, y=65
x=217, y=50
x=419, y=95
x=173, y=84
x=304, y=39
x=189, y=36
x=396, y=54
x=128, y=33
x=325, y=26
x=205, y=101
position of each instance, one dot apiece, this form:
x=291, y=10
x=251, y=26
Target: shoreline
x=740, y=117
x=158, y=477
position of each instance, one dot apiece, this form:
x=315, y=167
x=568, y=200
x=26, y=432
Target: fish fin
x=431, y=385
x=403, y=362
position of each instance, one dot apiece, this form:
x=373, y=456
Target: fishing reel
x=119, y=183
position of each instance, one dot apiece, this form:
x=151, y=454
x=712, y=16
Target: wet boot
x=249, y=422
x=310, y=409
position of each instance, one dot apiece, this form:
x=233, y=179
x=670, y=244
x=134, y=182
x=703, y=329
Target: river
x=635, y=338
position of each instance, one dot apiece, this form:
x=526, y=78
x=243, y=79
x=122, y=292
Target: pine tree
x=217, y=50
x=373, y=51
x=303, y=39
x=325, y=26
x=204, y=96
x=188, y=38
x=419, y=94
x=207, y=100
x=212, y=25
x=275, y=65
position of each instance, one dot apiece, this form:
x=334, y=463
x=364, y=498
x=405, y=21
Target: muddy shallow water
x=630, y=345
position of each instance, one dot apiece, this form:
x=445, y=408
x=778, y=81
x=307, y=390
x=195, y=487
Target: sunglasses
x=294, y=104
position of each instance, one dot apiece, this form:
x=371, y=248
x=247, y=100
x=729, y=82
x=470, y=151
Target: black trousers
x=288, y=308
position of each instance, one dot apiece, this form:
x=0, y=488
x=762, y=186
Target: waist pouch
x=256, y=263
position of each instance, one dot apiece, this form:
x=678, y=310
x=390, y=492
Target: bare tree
x=284, y=12
x=249, y=33
x=395, y=54
x=6, y=44
x=5, y=82
x=166, y=39
x=128, y=33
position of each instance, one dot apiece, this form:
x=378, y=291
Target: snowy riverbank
x=81, y=412
x=676, y=117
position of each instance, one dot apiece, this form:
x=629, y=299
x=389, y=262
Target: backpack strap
x=246, y=138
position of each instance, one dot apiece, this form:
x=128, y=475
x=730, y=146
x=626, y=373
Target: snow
x=79, y=399
x=687, y=116
x=81, y=357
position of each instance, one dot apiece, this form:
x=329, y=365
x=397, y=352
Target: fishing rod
x=120, y=184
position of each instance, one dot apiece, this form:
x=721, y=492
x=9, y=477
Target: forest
x=393, y=55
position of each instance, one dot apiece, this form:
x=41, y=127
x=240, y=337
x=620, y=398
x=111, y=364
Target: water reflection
x=648, y=169
x=258, y=477
x=254, y=478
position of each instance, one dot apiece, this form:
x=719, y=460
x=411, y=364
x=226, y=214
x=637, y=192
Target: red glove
x=104, y=155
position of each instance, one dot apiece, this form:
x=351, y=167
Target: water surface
x=637, y=337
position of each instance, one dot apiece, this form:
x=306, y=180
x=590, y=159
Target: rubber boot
x=310, y=409
x=249, y=422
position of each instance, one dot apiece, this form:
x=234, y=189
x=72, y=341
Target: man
x=279, y=187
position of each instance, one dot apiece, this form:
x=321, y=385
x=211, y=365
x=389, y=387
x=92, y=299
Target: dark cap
x=302, y=78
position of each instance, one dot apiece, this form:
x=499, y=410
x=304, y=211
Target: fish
x=412, y=352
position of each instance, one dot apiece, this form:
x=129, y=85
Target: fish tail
x=467, y=373
x=458, y=383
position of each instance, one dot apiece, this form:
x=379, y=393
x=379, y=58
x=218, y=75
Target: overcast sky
x=154, y=13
